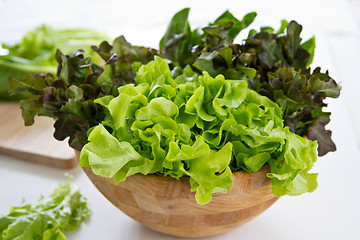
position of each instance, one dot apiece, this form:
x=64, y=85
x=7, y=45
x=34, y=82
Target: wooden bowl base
x=166, y=205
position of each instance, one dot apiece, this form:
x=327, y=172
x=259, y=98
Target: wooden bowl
x=166, y=205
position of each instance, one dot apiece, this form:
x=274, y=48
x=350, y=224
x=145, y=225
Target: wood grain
x=166, y=205
x=34, y=143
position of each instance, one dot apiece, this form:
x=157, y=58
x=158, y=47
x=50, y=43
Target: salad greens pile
x=200, y=106
x=204, y=129
x=36, y=53
x=48, y=218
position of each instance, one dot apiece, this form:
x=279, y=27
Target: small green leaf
x=31, y=108
x=267, y=29
x=238, y=25
x=293, y=32
x=309, y=45
x=178, y=25
x=205, y=63
x=118, y=154
x=283, y=26
x=255, y=162
x=226, y=54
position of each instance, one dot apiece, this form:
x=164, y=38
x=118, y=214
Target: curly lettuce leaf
x=118, y=162
x=300, y=96
x=48, y=218
x=68, y=98
x=208, y=177
x=178, y=40
x=123, y=60
x=237, y=25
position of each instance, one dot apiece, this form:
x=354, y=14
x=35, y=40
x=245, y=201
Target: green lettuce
x=46, y=219
x=204, y=128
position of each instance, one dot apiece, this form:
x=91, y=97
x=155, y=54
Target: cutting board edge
x=41, y=159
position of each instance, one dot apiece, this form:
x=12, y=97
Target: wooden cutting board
x=33, y=143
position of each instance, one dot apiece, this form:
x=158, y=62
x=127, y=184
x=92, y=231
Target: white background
x=331, y=212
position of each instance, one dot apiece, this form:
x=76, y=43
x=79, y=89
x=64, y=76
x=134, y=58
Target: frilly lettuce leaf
x=208, y=177
x=237, y=25
x=68, y=98
x=204, y=128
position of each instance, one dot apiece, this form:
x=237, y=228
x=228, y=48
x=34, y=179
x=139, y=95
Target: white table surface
x=331, y=212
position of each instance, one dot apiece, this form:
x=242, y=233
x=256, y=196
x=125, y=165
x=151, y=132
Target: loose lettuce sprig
x=48, y=218
x=202, y=128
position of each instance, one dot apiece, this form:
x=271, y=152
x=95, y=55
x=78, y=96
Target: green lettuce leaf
x=237, y=25
x=179, y=39
x=178, y=25
x=46, y=219
x=68, y=99
x=208, y=177
x=123, y=60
